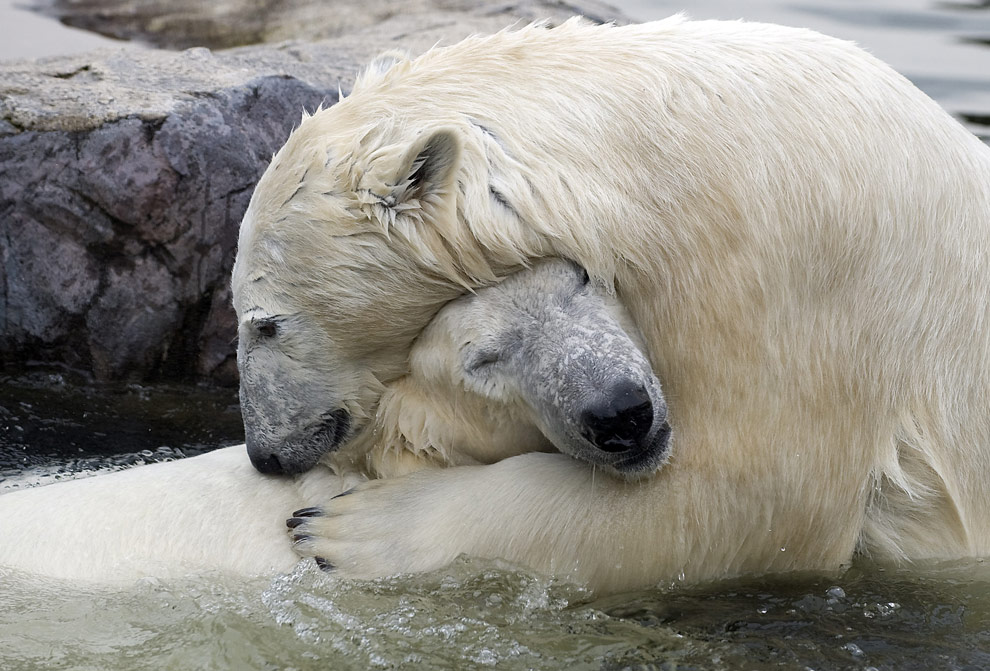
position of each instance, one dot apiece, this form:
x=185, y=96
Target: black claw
x=299, y=538
x=324, y=564
x=293, y=522
x=315, y=511
x=349, y=491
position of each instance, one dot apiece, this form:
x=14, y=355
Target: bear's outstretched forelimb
x=556, y=515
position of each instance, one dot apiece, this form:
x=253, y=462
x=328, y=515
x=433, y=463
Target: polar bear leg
x=424, y=520
x=556, y=515
x=213, y=512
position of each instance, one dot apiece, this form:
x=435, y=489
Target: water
x=480, y=614
x=53, y=426
x=477, y=615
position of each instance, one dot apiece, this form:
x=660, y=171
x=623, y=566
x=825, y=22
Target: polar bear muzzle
x=294, y=411
x=565, y=353
x=299, y=453
x=621, y=422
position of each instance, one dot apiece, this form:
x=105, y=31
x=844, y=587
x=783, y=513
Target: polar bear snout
x=625, y=429
x=295, y=393
x=619, y=421
x=553, y=346
x=268, y=464
x=299, y=451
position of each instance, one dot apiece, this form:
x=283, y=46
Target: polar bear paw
x=378, y=528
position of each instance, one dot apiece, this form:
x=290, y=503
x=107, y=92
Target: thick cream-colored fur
x=801, y=235
x=213, y=513
x=210, y=513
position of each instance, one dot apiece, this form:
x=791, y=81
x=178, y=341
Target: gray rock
x=124, y=175
x=222, y=24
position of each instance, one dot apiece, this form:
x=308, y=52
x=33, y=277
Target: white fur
x=212, y=513
x=800, y=234
x=208, y=513
x=216, y=513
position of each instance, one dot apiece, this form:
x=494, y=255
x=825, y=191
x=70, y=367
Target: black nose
x=620, y=420
x=269, y=465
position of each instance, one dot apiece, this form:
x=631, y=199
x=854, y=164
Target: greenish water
x=478, y=615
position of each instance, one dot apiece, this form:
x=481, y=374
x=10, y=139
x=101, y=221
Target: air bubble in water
x=853, y=649
x=835, y=592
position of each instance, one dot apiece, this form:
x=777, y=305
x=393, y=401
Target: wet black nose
x=269, y=465
x=620, y=420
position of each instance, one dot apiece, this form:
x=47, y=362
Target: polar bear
x=216, y=513
x=799, y=233
x=546, y=360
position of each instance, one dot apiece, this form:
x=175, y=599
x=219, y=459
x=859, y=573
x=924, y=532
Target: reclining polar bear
x=216, y=513
x=799, y=233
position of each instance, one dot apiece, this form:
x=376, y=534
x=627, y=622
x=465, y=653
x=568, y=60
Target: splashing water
x=482, y=614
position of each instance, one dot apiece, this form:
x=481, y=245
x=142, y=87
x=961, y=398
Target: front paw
x=299, y=537
x=377, y=528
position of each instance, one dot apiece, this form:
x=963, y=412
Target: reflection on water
x=27, y=34
x=477, y=615
x=52, y=429
x=933, y=619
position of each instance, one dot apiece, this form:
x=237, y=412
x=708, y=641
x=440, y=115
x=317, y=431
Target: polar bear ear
x=427, y=177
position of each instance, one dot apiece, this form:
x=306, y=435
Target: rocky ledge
x=124, y=175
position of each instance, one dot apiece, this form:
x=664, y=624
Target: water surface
x=477, y=614
x=54, y=425
x=27, y=34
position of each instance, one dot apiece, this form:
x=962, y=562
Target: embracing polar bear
x=546, y=338
x=801, y=235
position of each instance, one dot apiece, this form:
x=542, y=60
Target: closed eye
x=481, y=360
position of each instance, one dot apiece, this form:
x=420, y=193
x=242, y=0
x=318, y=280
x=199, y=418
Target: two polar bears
x=216, y=513
x=798, y=232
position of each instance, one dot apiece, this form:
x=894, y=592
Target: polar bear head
x=547, y=359
x=338, y=269
x=344, y=255
x=375, y=213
